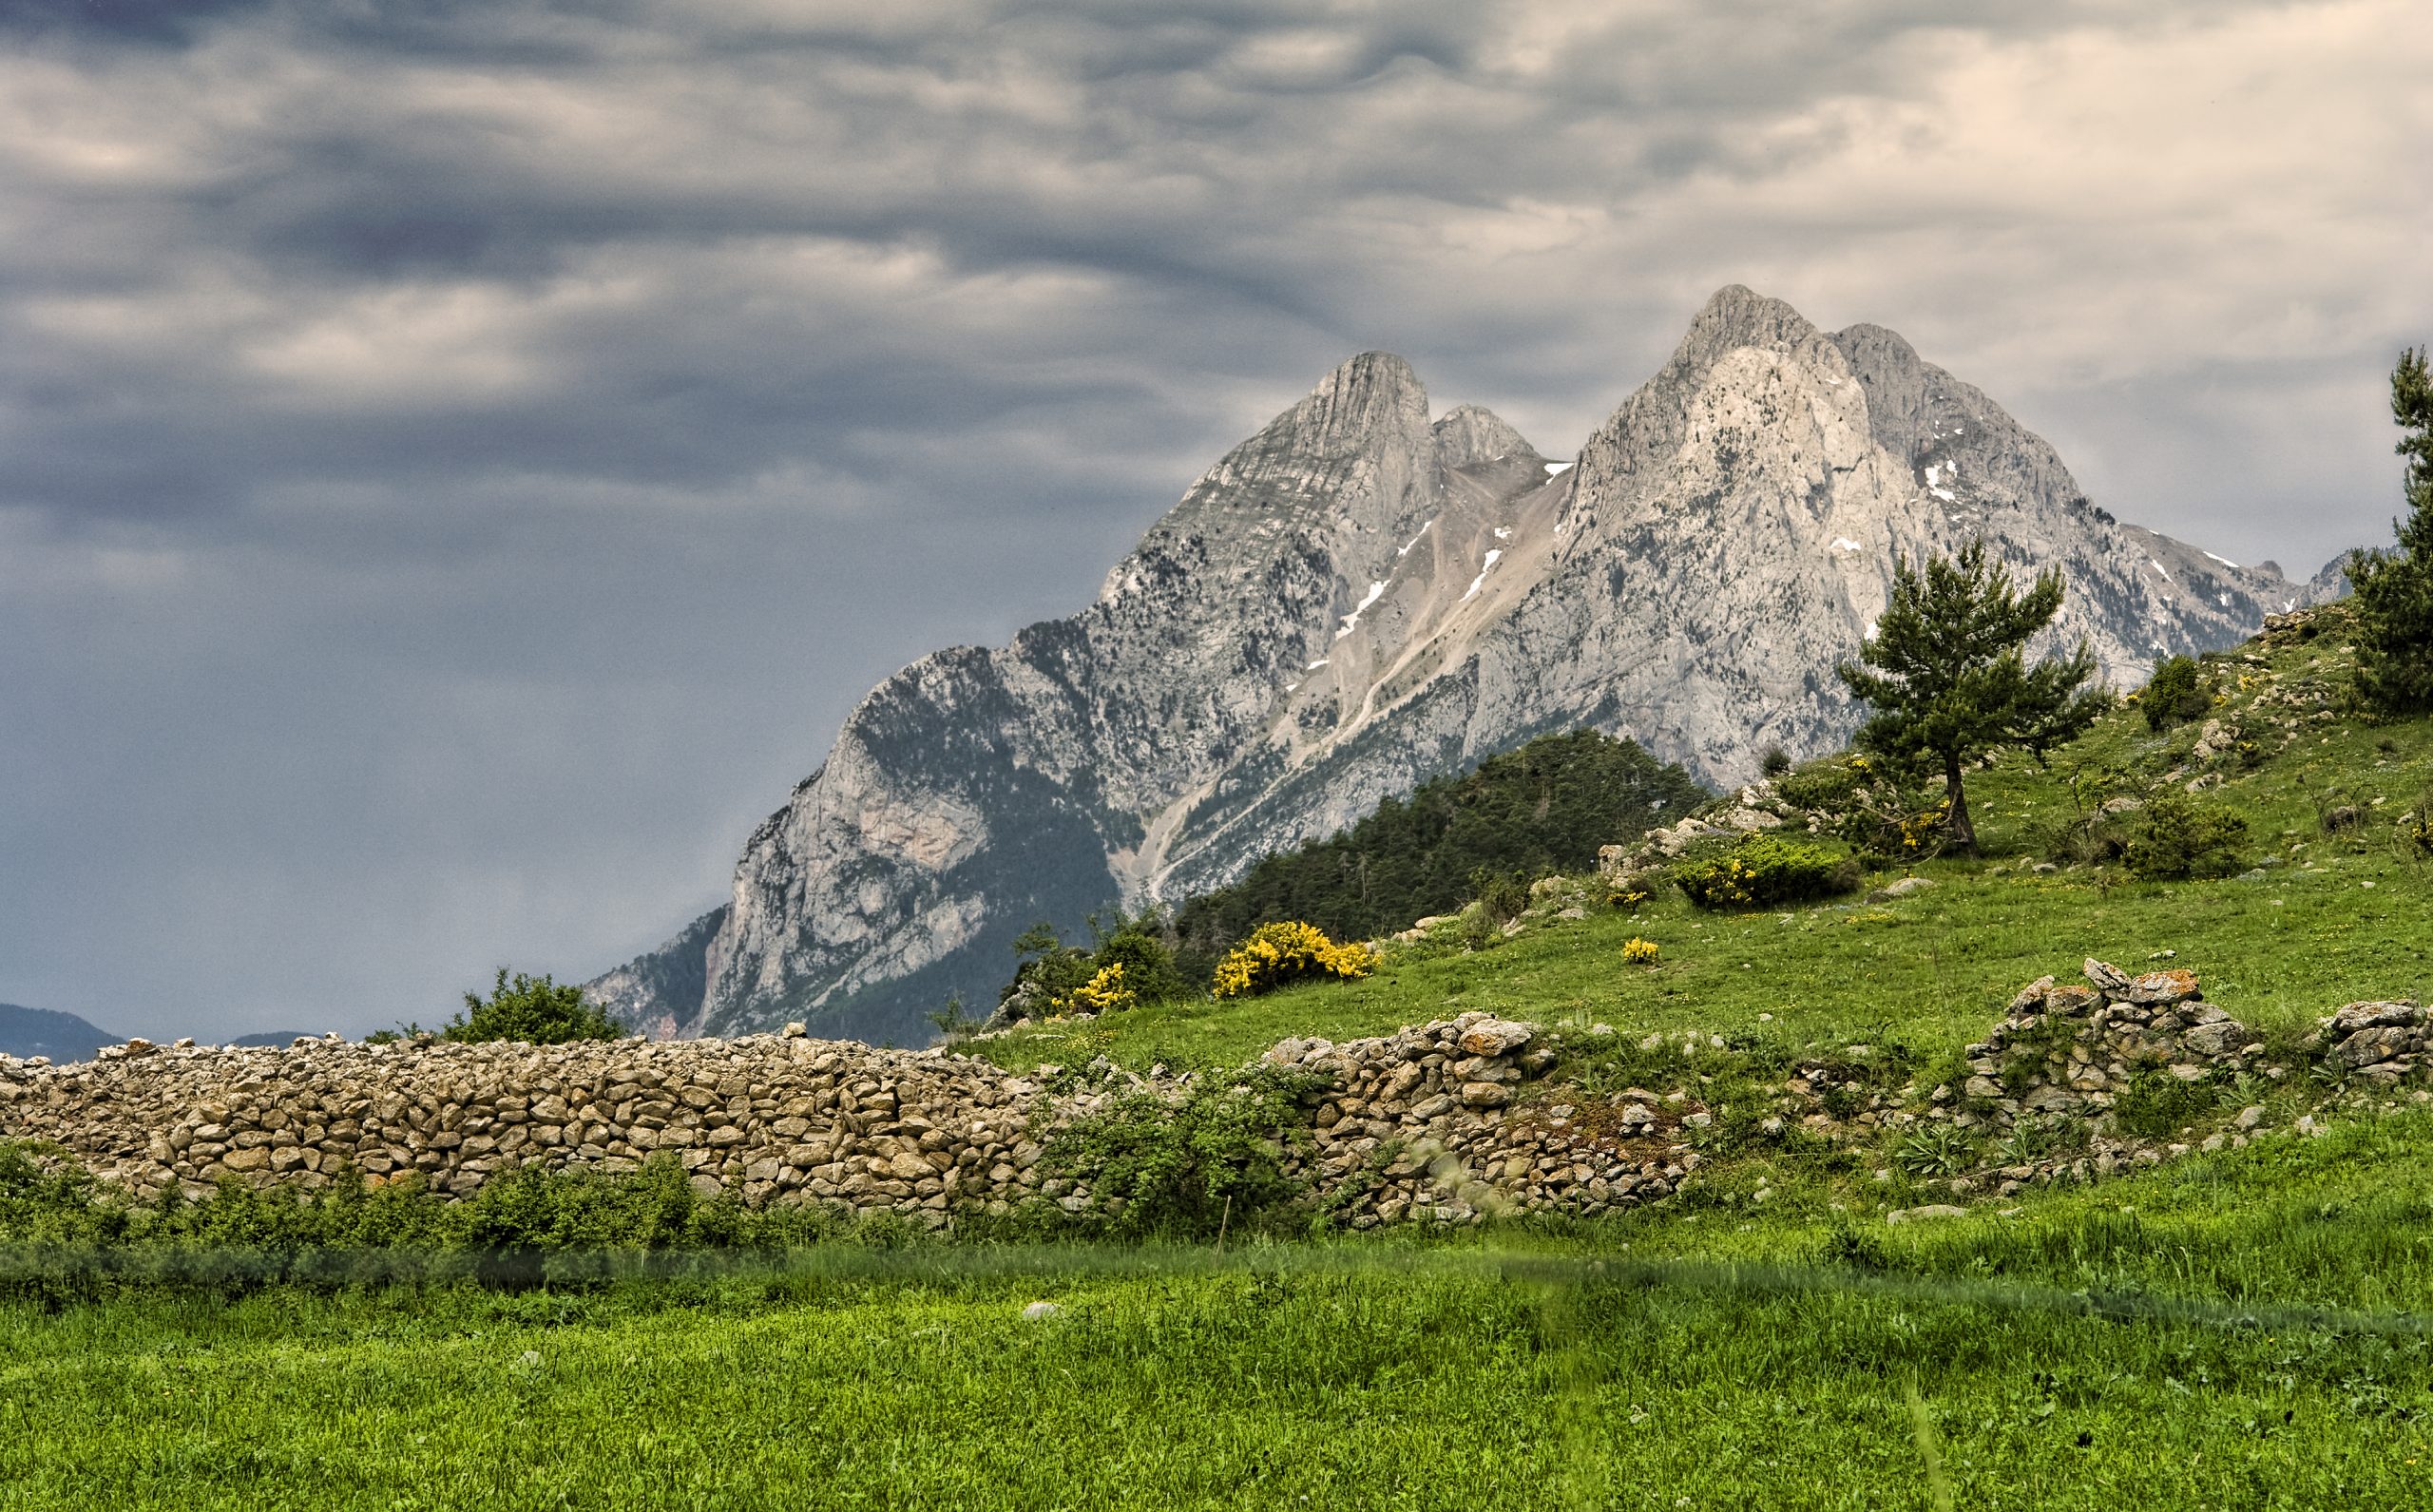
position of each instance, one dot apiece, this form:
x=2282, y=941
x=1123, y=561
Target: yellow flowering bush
x=1104, y=992
x=1277, y=953
x=1923, y=834
x=1639, y=952
x=1767, y=869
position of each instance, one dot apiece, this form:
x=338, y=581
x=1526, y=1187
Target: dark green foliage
x=1049, y=968
x=533, y=1009
x=525, y=1226
x=2172, y=839
x=1766, y=870
x=1776, y=762
x=1853, y=1249
x=2156, y=1104
x=2159, y=833
x=1140, y=948
x=1951, y=682
x=1501, y=895
x=1542, y=809
x=2393, y=590
x=2174, y=694
x=519, y=1221
x=1826, y=785
x=1045, y=968
x=954, y=1021
x=1182, y=1170
x=45, y=1200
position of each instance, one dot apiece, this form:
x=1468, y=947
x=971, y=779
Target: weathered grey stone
x=2106, y=978
x=1492, y=1036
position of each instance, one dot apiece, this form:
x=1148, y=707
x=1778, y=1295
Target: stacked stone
x=2376, y=1041
x=771, y=1116
x=1415, y=1126
x=2071, y=1049
x=1420, y=1125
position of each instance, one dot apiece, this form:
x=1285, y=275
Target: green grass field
x=2240, y=1331
x=2243, y=1329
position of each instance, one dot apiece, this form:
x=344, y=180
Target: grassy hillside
x=2320, y=916
x=2246, y=1327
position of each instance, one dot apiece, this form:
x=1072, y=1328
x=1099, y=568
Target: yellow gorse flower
x=1277, y=953
x=1102, y=993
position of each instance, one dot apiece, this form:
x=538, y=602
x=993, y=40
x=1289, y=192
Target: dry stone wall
x=1420, y=1125
x=2381, y=1043
x=1417, y=1124
x=1446, y=1121
x=2073, y=1049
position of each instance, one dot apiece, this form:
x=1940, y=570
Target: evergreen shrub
x=1187, y=1168
x=2175, y=695
x=1766, y=870
x=2173, y=839
x=532, y=1010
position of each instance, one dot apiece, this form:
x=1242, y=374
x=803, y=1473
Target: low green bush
x=1187, y=1168
x=2175, y=695
x=1051, y=976
x=2156, y=1104
x=1826, y=785
x=1766, y=870
x=63, y=1234
x=532, y=1010
x=2174, y=839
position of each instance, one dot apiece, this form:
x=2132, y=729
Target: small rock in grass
x=1932, y=1210
x=1038, y=1310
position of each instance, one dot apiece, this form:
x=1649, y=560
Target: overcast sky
x=459, y=462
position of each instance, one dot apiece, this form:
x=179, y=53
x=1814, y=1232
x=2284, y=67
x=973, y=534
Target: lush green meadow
x=2242, y=1329
x=2248, y=1328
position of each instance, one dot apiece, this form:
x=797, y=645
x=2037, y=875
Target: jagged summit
x=1735, y=317
x=1471, y=433
x=1358, y=598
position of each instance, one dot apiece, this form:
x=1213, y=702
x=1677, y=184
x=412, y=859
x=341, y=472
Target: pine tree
x=1951, y=680
x=2394, y=590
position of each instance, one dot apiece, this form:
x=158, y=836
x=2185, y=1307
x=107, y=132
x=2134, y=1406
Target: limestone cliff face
x=1357, y=599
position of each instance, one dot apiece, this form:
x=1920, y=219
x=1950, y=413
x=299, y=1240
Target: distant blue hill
x=41, y=1031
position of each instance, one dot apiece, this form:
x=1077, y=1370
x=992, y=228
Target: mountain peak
x=1472, y=433
x=1379, y=379
x=1737, y=316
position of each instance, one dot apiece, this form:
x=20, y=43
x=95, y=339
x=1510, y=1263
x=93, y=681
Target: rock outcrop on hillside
x=1362, y=596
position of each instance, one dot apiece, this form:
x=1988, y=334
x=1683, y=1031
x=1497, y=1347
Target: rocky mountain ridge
x=1361, y=597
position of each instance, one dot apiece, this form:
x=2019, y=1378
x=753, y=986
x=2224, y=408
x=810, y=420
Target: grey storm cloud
x=459, y=461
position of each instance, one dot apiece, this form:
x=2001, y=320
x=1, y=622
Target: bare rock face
x=1358, y=599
